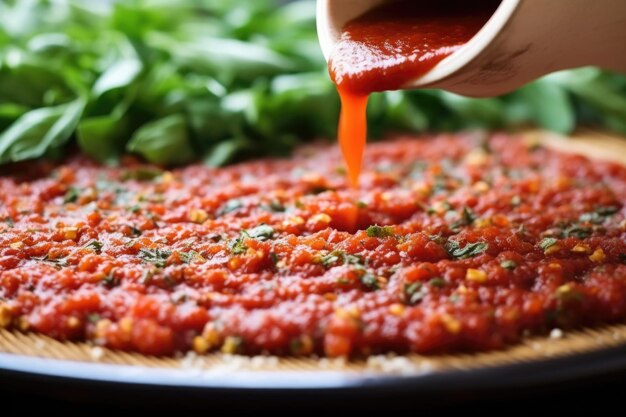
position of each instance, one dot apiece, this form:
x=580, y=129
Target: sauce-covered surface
x=453, y=243
x=388, y=47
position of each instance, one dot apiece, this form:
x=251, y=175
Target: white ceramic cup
x=523, y=40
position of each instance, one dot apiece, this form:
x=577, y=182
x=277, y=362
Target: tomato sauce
x=452, y=243
x=390, y=46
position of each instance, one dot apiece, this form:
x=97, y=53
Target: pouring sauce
x=389, y=46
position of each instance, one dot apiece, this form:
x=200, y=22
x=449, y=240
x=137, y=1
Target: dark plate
x=52, y=371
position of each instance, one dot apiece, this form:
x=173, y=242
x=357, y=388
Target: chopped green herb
x=238, y=245
x=9, y=221
x=93, y=318
x=319, y=189
x=277, y=207
x=189, y=257
x=350, y=259
x=262, y=232
x=379, y=231
x=547, y=242
x=508, y=264
x=437, y=282
x=347, y=258
x=331, y=258
x=295, y=346
x=438, y=238
x=607, y=211
x=599, y=215
x=414, y=292
x=577, y=231
x=157, y=257
x=94, y=245
x=369, y=281
x=169, y=281
x=468, y=251
x=71, y=195
x=179, y=297
x=135, y=208
x=361, y=204
x=215, y=238
x=274, y=258
x=110, y=281
x=146, y=276
x=135, y=231
x=467, y=218
x=230, y=206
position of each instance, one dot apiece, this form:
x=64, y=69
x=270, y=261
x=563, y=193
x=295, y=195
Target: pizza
x=452, y=243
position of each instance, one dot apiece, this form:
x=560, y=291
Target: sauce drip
x=389, y=46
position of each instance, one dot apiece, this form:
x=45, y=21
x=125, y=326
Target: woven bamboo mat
x=557, y=345
x=530, y=350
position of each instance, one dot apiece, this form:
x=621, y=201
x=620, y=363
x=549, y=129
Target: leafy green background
x=175, y=81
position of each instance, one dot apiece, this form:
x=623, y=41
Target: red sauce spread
x=390, y=46
x=453, y=243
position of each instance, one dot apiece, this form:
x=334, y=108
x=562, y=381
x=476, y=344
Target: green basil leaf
x=119, y=75
x=549, y=106
x=39, y=131
x=102, y=138
x=163, y=141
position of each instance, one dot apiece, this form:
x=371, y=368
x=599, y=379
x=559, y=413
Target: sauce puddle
x=389, y=46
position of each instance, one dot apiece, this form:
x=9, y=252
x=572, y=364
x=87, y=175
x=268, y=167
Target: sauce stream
x=389, y=46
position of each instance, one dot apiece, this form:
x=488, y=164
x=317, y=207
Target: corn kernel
x=126, y=325
x=22, y=323
x=482, y=223
x=294, y=221
x=73, y=322
x=477, y=157
x=386, y=196
x=101, y=328
x=396, y=309
x=481, y=186
x=231, y=345
x=581, y=248
x=16, y=245
x=476, y=275
x=211, y=335
x=200, y=345
x=167, y=177
x=354, y=312
x=198, y=215
x=552, y=250
x=564, y=289
x=381, y=282
x=320, y=218
x=451, y=324
x=597, y=256
x=70, y=233
x=5, y=316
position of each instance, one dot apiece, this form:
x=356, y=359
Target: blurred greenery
x=216, y=80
